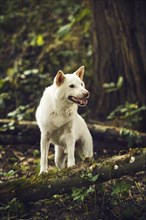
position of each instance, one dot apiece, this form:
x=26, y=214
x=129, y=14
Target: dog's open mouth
x=79, y=101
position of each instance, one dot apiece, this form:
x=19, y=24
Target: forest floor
x=123, y=199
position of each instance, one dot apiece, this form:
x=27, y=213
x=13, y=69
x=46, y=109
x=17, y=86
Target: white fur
x=60, y=124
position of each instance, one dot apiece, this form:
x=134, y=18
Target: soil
x=123, y=199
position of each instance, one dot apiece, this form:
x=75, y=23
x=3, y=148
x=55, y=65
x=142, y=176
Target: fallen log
x=30, y=124
x=102, y=134
x=19, y=132
x=117, y=135
x=35, y=188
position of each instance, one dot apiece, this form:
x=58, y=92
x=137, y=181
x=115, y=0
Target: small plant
x=90, y=177
x=9, y=174
x=130, y=112
x=130, y=136
x=79, y=194
x=13, y=209
x=36, y=153
x=120, y=189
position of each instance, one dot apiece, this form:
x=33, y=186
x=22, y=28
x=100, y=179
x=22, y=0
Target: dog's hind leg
x=44, y=153
x=60, y=157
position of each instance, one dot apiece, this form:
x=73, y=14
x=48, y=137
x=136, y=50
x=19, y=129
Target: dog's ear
x=59, y=79
x=80, y=72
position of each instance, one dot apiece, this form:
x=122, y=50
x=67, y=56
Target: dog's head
x=71, y=87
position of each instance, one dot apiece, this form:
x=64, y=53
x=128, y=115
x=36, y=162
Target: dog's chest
x=61, y=125
x=59, y=136
x=59, y=119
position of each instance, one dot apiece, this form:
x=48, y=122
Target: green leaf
x=120, y=82
x=94, y=178
x=121, y=187
x=31, y=71
x=64, y=30
x=40, y=40
x=90, y=190
x=109, y=85
x=9, y=174
x=80, y=15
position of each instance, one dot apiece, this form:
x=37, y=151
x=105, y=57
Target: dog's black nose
x=87, y=94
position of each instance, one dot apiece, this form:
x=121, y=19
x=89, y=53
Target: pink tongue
x=83, y=101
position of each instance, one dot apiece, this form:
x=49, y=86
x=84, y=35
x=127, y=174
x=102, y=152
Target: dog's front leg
x=44, y=153
x=70, y=141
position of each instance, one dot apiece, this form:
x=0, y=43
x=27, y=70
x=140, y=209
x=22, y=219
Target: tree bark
x=34, y=188
x=119, y=39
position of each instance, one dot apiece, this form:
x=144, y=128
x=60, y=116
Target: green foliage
x=90, y=177
x=17, y=92
x=64, y=30
x=37, y=40
x=9, y=126
x=78, y=16
x=129, y=135
x=121, y=188
x=79, y=194
x=21, y=113
x=36, y=153
x=9, y=174
x=14, y=208
x=129, y=112
x=54, y=35
x=111, y=87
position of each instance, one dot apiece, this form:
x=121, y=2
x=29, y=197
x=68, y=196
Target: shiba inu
x=60, y=123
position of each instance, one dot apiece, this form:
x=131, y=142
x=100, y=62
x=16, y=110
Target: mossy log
x=103, y=135
x=35, y=188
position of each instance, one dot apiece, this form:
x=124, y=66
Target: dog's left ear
x=59, y=79
x=80, y=72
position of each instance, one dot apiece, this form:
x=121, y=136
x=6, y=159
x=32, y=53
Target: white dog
x=59, y=122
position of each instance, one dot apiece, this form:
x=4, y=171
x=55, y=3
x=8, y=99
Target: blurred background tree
x=40, y=37
x=119, y=58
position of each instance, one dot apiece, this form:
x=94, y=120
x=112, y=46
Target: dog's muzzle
x=81, y=101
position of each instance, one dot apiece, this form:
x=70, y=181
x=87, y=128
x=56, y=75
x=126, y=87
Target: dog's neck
x=65, y=108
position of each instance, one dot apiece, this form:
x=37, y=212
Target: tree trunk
x=119, y=50
x=57, y=182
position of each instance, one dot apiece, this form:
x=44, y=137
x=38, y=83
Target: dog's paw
x=43, y=172
x=89, y=160
x=71, y=164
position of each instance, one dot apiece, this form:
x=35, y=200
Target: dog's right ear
x=80, y=72
x=59, y=79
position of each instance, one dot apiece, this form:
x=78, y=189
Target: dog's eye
x=71, y=86
x=82, y=84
